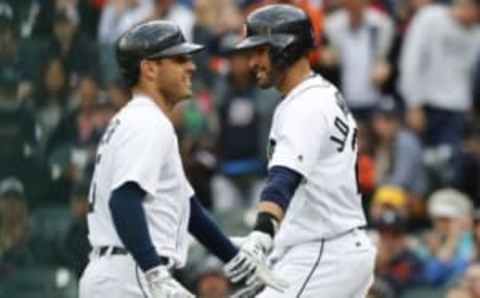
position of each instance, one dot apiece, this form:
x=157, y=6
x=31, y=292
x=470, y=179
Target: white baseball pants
x=113, y=276
x=339, y=268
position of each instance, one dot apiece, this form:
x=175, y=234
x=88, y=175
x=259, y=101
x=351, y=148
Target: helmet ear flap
x=283, y=56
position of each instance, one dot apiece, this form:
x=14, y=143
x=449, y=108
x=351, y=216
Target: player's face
x=261, y=66
x=174, y=77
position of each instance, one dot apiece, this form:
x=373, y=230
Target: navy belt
x=115, y=250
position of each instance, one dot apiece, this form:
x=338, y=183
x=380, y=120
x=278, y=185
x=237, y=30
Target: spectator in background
x=117, y=17
x=76, y=50
x=396, y=263
x=472, y=280
x=81, y=126
x=16, y=55
x=405, y=11
x=171, y=10
x=120, y=15
x=71, y=148
x=448, y=248
x=476, y=86
x=467, y=165
x=469, y=286
x=41, y=15
x=208, y=30
x=15, y=245
x=76, y=246
x=19, y=153
x=476, y=236
x=51, y=99
x=398, y=153
x=17, y=135
x=240, y=126
x=386, y=198
x=366, y=161
x=360, y=39
x=193, y=121
x=8, y=38
x=436, y=67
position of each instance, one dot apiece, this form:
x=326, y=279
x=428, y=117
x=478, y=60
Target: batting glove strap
x=258, y=244
x=253, y=252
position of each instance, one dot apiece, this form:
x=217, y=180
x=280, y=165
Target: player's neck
x=157, y=97
x=294, y=75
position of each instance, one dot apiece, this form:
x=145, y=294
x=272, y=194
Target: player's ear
x=147, y=69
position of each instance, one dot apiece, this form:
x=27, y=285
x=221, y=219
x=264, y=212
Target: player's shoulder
x=311, y=102
x=142, y=116
x=316, y=94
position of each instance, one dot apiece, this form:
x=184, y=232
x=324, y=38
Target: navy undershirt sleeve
x=131, y=225
x=282, y=183
x=207, y=232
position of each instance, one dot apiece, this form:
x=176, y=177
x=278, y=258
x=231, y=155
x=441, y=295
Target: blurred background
x=409, y=70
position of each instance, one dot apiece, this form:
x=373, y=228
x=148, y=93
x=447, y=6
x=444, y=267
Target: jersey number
x=341, y=141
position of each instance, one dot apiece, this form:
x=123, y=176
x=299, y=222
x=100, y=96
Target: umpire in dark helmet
x=277, y=37
x=155, y=56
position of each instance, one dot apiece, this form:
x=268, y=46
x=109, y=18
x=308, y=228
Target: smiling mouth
x=259, y=74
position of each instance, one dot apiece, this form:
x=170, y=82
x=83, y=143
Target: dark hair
x=41, y=92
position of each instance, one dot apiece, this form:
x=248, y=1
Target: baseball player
x=141, y=205
x=310, y=207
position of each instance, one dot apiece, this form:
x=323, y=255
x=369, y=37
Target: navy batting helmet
x=150, y=40
x=285, y=28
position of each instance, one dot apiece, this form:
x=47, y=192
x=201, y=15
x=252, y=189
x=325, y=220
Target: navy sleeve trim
x=131, y=225
x=207, y=232
x=282, y=183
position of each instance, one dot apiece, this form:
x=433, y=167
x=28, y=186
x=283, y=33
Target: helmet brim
x=185, y=48
x=277, y=40
x=251, y=42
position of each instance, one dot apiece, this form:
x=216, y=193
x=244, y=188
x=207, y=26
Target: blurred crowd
x=409, y=70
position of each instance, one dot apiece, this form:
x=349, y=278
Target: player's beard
x=263, y=77
x=267, y=78
x=178, y=91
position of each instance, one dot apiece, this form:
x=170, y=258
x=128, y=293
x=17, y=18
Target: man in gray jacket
x=436, y=70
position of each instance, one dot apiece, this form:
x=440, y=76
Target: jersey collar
x=142, y=99
x=307, y=82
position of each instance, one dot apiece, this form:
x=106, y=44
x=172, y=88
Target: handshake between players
x=141, y=206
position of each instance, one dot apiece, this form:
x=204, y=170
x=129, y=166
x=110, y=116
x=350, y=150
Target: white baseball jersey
x=140, y=146
x=314, y=134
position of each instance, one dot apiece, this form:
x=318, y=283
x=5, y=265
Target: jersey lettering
x=344, y=130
